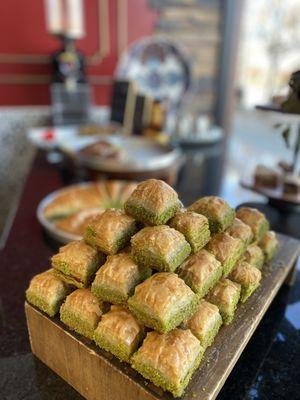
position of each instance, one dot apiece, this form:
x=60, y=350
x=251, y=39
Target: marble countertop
x=268, y=368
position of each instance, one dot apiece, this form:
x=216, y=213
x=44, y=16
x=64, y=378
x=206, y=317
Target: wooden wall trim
x=101, y=52
x=27, y=79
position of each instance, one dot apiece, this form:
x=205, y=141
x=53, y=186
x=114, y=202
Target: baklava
x=162, y=301
x=220, y=215
x=116, y=279
x=240, y=230
x=76, y=263
x=201, y=271
x=78, y=222
x=226, y=249
x=47, y=292
x=193, y=226
x=225, y=295
x=169, y=360
x=247, y=276
x=159, y=247
x=73, y=199
x=119, y=332
x=205, y=323
x=269, y=245
x=81, y=312
x=254, y=256
x=153, y=202
x=110, y=231
x=255, y=219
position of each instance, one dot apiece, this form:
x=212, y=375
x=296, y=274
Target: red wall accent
x=23, y=31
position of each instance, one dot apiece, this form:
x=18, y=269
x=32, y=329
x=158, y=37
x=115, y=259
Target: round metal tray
x=57, y=234
x=140, y=154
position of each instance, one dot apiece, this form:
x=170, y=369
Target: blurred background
x=189, y=91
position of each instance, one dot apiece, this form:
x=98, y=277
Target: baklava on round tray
x=66, y=213
x=153, y=283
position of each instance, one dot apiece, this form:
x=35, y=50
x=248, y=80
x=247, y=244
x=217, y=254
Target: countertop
x=268, y=368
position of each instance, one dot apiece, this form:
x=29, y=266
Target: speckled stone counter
x=268, y=368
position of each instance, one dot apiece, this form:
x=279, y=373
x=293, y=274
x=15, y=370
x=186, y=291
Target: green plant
x=286, y=130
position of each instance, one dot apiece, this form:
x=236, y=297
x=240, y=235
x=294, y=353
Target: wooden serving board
x=96, y=374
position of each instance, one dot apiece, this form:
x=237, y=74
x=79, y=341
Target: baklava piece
x=255, y=219
x=205, y=323
x=110, y=231
x=169, y=360
x=162, y=301
x=116, y=279
x=193, y=226
x=153, y=202
x=225, y=295
x=247, y=276
x=78, y=222
x=254, y=256
x=226, y=249
x=201, y=271
x=240, y=230
x=71, y=200
x=269, y=245
x=81, y=312
x=47, y=292
x=159, y=247
x=119, y=332
x=76, y=263
x=220, y=215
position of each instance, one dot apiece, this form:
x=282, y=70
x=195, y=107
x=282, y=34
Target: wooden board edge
x=124, y=382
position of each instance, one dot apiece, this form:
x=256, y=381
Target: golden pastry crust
x=78, y=256
x=85, y=305
x=161, y=292
x=254, y=218
x=269, y=245
x=48, y=285
x=214, y=205
x=108, y=228
x=204, y=319
x=128, y=190
x=195, y=228
x=78, y=222
x=172, y=354
x=254, y=255
x=120, y=326
x=185, y=220
x=154, y=195
x=47, y=292
x=245, y=274
x=269, y=236
x=224, y=291
x=160, y=240
x=222, y=246
x=119, y=272
x=198, y=267
x=73, y=200
x=240, y=230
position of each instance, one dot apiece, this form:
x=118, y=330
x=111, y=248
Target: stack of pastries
x=153, y=284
